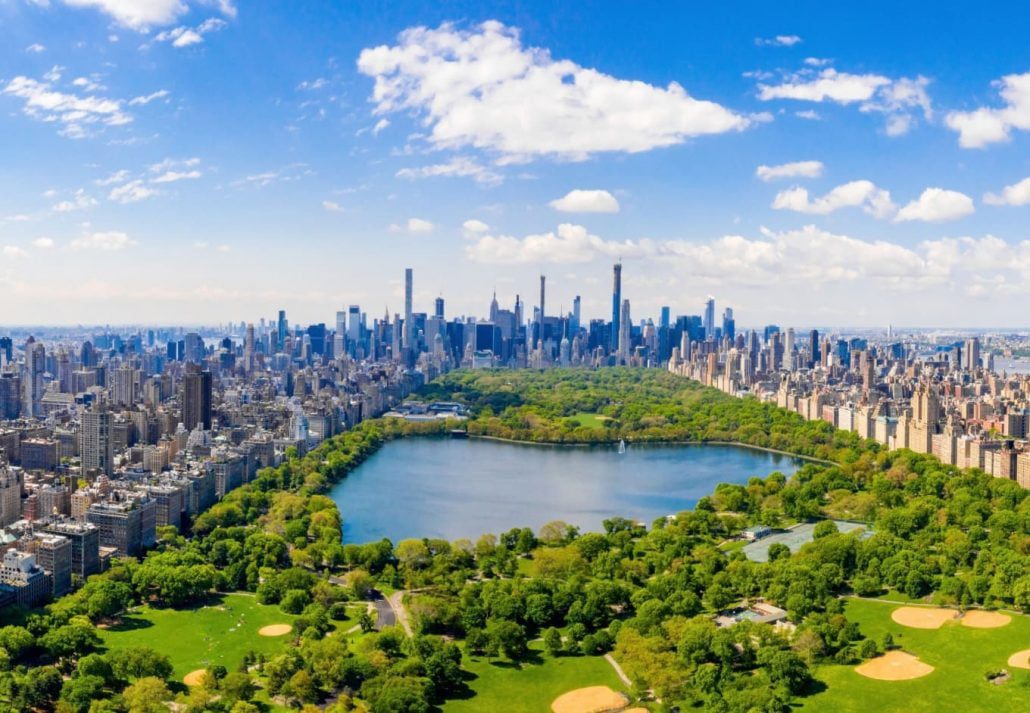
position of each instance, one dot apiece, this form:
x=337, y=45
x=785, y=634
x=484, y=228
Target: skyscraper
x=540, y=316
x=576, y=313
x=616, y=304
x=624, y=332
x=409, y=323
x=729, y=325
x=281, y=331
x=709, y=318
x=439, y=308
x=813, y=347
x=196, y=399
x=96, y=448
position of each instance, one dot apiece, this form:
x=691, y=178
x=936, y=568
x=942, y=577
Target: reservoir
x=454, y=488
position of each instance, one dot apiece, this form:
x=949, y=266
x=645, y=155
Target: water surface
x=452, y=488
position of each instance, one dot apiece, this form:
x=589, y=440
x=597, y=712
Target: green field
x=960, y=655
x=501, y=686
x=591, y=420
x=220, y=632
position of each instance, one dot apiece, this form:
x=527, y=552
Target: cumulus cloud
x=473, y=227
x=456, y=167
x=586, y=201
x=184, y=36
x=812, y=256
x=72, y=112
x=413, y=225
x=1016, y=194
x=147, y=98
x=482, y=88
x=865, y=194
x=173, y=176
x=937, y=205
x=106, y=241
x=778, y=41
x=35, y=48
x=13, y=251
x=79, y=201
x=43, y=243
x=797, y=169
x=142, y=14
x=568, y=244
x=131, y=192
x=332, y=206
x=897, y=99
x=980, y=127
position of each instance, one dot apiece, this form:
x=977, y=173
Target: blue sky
x=186, y=161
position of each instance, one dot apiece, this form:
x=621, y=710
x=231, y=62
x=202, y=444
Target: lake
x=454, y=488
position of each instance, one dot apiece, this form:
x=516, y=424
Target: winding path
x=618, y=670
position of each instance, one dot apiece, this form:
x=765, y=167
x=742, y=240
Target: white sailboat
x=622, y=447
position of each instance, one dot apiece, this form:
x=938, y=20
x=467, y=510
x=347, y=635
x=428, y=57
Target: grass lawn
x=500, y=686
x=959, y=654
x=591, y=420
x=220, y=632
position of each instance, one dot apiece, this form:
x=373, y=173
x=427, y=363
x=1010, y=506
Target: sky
x=807, y=164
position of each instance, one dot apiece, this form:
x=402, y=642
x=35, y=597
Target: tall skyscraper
x=729, y=325
x=616, y=304
x=576, y=313
x=666, y=317
x=813, y=347
x=32, y=381
x=439, y=308
x=624, y=332
x=409, y=323
x=709, y=318
x=96, y=447
x=196, y=399
x=280, y=334
x=540, y=316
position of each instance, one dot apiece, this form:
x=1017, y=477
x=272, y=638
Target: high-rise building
x=196, y=399
x=576, y=313
x=616, y=305
x=666, y=317
x=438, y=311
x=729, y=325
x=96, y=447
x=624, y=332
x=540, y=316
x=280, y=332
x=409, y=323
x=971, y=354
x=813, y=347
x=708, y=321
x=11, y=481
x=32, y=381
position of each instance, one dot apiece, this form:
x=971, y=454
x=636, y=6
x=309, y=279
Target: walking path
x=618, y=670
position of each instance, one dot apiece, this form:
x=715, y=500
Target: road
x=385, y=615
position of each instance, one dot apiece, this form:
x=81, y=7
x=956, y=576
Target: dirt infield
x=923, y=617
x=984, y=619
x=275, y=630
x=593, y=699
x=1020, y=659
x=194, y=678
x=894, y=666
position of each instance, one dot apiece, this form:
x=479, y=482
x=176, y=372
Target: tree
x=40, y=688
x=509, y=637
x=147, y=695
x=237, y=686
x=139, y=662
x=70, y=641
x=80, y=692
x=552, y=641
x=16, y=640
x=302, y=687
x=105, y=597
x=824, y=528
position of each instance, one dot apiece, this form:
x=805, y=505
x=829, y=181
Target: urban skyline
x=860, y=165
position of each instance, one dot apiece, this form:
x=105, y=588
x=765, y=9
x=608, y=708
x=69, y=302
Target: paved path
x=618, y=670
x=384, y=612
x=397, y=604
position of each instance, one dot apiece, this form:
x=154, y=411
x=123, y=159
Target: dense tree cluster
x=645, y=593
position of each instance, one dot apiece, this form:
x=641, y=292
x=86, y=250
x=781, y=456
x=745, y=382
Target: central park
x=571, y=579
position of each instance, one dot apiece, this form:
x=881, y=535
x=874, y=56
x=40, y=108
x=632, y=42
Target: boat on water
x=622, y=446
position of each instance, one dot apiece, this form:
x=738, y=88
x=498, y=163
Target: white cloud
x=106, y=241
x=569, y=244
x=43, y=243
x=809, y=114
x=79, y=201
x=482, y=88
x=35, y=48
x=380, y=125
x=796, y=169
x=332, y=206
x=937, y=205
x=778, y=41
x=817, y=61
x=473, y=227
x=897, y=99
x=71, y=111
x=131, y=192
x=418, y=225
x=456, y=167
x=116, y=177
x=173, y=176
x=983, y=126
x=864, y=194
x=147, y=98
x=1016, y=194
x=586, y=201
x=312, y=85
x=14, y=251
x=183, y=36
x=142, y=14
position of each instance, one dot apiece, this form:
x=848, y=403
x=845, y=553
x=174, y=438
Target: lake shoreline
x=553, y=444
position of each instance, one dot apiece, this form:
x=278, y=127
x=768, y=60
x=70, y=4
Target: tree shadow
x=131, y=623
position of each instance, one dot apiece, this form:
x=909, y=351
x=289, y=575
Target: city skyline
x=817, y=152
